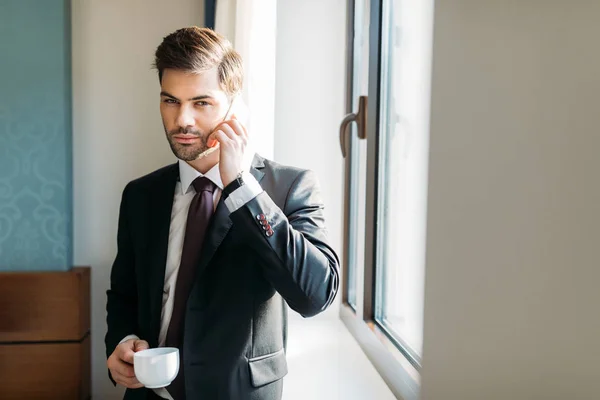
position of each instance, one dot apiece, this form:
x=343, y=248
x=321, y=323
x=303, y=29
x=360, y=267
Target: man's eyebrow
x=200, y=97
x=167, y=94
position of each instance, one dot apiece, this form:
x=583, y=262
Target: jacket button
x=261, y=217
x=269, y=233
x=263, y=222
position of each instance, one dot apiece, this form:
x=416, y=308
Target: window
x=402, y=192
x=386, y=182
x=357, y=167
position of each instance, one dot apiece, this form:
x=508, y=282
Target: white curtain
x=251, y=26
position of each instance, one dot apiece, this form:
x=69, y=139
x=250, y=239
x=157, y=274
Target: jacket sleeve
x=292, y=245
x=121, y=306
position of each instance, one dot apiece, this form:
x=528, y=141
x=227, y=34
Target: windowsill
x=397, y=372
x=326, y=362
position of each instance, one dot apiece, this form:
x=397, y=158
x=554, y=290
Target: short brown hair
x=197, y=49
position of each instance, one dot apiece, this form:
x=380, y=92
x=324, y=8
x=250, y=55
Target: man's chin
x=187, y=153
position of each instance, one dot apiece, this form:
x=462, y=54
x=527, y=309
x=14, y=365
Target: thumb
x=140, y=345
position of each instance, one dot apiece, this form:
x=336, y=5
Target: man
x=211, y=248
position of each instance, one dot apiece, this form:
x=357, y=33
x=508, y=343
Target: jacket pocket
x=268, y=368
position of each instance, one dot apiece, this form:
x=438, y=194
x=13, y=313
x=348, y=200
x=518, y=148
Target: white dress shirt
x=184, y=193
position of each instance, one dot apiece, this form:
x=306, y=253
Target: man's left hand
x=233, y=139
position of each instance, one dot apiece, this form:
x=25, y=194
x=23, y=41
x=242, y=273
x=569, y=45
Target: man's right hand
x=120, y=363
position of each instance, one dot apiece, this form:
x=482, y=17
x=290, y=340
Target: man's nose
x=185, y=118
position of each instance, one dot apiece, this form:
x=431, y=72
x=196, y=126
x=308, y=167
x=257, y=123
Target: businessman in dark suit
x=212, y=247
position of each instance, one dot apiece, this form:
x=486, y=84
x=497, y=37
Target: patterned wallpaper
x=35, y=135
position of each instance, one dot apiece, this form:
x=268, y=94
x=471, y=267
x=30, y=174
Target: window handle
x=361, y=121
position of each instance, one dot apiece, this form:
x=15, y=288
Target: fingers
x=218, y=136
x=120, y=363
x=221, y=137
x=123, y=372
x=124, y=351
x=230, y=133
x=234, y=127
x=140, y=345
x=232, y=130
x=237, y=126
x=121, y=367
x=128, y=382
x=228, y=130
x=126, y=354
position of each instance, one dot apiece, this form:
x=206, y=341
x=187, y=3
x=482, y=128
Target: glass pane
x=404, y=112
x=358, y=161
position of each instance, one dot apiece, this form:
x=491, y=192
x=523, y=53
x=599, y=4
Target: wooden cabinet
x=45, y=334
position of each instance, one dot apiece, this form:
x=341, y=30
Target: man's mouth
x=186, y=139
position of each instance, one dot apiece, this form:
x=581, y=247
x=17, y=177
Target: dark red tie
x=201, y=210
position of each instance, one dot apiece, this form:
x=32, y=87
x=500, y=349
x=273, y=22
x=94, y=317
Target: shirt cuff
x=129, y=337
x=242, y=195
x=164, y=393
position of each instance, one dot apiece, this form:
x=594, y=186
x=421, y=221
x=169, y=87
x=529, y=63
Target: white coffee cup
x=156, y=368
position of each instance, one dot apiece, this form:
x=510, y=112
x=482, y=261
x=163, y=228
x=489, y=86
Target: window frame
x=396, y=365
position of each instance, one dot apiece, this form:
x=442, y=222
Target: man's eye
x=202, y=103
x=170, y=101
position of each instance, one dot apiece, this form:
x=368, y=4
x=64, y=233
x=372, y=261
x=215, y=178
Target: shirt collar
x=187, y=175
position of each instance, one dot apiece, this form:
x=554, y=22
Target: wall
x=310, y=96
x=118, y=135
x=35, y=136
x=325, y=362
x=511, y=296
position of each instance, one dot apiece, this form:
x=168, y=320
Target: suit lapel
x=257, y=165
x=161, y=204
x=221, y=223
x=160, y=216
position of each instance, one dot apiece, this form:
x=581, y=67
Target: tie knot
x=202, y=184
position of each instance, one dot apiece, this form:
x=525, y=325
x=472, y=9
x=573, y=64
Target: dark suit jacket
x=236, y=319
